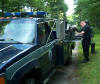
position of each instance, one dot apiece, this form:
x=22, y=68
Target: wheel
x=73, y=46
x=69, y=60
x=33, y=77
x=28, y=81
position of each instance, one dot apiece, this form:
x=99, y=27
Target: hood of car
x=10, y=52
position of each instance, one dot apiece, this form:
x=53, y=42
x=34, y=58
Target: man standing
x=86, y=34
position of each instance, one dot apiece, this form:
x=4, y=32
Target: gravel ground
x=67, y=74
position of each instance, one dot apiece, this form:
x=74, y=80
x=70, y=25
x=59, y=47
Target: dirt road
x=67, y=74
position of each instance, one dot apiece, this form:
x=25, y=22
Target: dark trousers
x=85, y=45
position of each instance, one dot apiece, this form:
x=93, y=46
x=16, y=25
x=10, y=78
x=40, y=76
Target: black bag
x=93, y=48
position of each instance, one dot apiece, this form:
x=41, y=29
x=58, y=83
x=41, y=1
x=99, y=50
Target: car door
x=46, y=57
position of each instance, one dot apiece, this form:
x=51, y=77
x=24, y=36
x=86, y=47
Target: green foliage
x=90, y=72
x=90, y=10
x=56, y=8
x=72, y=19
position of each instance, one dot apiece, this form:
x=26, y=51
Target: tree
x=89, y=9
x=56, y=8
x=3, y=5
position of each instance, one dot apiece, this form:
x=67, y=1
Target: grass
x=90, y=72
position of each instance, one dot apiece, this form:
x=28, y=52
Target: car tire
x=69, y=60
x=28, y=81
x=73, y=46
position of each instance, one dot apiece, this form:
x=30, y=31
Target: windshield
x=22, y=30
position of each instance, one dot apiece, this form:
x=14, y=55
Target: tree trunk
x=2, y=7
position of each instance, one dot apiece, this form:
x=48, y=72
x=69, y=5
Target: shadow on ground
x=67, y=74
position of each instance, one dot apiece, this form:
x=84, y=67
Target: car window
x=23, y=30
x=44, y=32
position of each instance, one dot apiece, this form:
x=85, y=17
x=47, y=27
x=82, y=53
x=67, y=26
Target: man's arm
x=82, y=33
x=78, y=30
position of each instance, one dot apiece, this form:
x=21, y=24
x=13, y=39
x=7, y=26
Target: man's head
x=82, y=23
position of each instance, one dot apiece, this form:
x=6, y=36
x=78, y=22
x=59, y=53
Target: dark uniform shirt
x=87, y=30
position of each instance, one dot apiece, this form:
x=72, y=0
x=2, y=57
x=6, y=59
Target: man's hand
x=80, y=34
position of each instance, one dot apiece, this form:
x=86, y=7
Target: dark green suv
x=29, y=50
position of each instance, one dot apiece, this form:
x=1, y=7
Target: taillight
x=2, y=80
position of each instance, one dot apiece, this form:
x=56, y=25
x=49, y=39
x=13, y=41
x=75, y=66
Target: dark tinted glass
x=44, y=32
